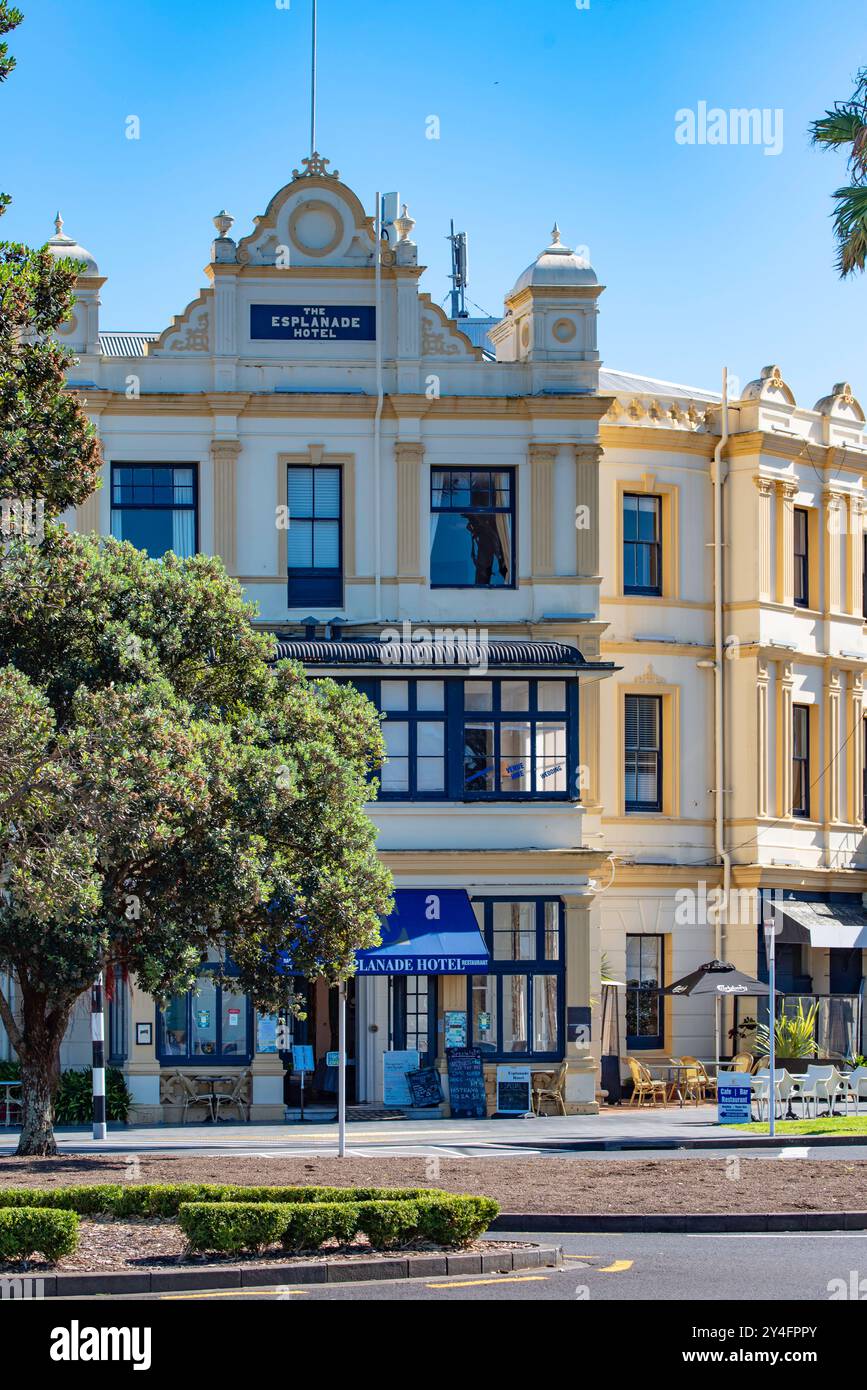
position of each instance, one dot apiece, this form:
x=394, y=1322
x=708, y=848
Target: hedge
x=24, y=1231
x=164, y=1199
x=233, y=1227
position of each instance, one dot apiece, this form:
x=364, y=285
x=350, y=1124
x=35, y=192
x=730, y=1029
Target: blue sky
x=711, y=254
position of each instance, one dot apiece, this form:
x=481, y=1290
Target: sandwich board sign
x=734, y=1095
x=395, y=1087
x=514, y=1091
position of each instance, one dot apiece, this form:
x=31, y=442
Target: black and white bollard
x=97, y=1034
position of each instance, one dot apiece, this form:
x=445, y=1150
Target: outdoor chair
x=820, y=1083
x=236, y=1097
x=784, y=1087
x=192, y=1097
x=551, y=1087
x=855, y=1087
x=11, y=1103
x=742, y=1061
x=706, y=1083
x=644, y=1086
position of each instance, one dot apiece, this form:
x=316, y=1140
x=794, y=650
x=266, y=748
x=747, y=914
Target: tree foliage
x=845, y=127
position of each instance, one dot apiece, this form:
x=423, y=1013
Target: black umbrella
x=717, y=977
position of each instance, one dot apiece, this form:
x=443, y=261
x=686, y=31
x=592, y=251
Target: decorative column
x=763, y=752
x=856, y=747
x=855, y=554
x=582, y=1074
x=833, y=745
x=786, y=493
x=224, y=456
x=833, y=512
x=587, y=463
x=785, y=686
x=409, y=455
x=765, y=489
x=542, y=460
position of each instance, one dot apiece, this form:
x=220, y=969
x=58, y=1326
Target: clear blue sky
x=711, y=254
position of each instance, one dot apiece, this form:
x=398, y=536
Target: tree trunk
x=37, y=1117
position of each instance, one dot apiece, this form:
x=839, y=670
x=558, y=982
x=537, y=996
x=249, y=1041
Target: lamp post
x=770, y=940
x=341, y=1069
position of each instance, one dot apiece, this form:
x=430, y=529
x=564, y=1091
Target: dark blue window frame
x=402, y=1013
x=801, y=547
x=801, y=761
x=642, y=554
x=457, y=716
x=218, y=1058
x=636, y=1042
x=313, y=586
x=476, y=509
x=637, y=748
x=120, y=487
x=503, y=970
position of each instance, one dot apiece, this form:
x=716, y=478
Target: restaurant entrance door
x=319, y=1029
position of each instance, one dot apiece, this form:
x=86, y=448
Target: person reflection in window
x=487, y=547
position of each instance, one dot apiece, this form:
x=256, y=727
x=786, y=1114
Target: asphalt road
x=672, y=1268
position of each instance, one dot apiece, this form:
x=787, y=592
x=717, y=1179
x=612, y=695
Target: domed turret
x=557, y=265
x=65, y=248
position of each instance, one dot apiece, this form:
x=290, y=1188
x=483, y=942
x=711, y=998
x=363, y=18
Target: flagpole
x=313, y=85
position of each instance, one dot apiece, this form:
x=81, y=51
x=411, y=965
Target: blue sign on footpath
x=733, y=1102
x=302, y=1057
x=314, y=322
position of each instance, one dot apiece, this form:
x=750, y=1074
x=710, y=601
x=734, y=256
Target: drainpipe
x=377, y=419
x=719, y=696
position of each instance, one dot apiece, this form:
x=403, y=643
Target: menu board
x=395, y=1087
x=514, y=1091
x=425, y=1087
x=466, y=1083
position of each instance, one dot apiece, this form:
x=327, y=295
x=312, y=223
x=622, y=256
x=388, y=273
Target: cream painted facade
x=417, y=397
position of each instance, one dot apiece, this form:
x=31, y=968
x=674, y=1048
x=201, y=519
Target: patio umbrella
x=721, y=979
x=717, y=977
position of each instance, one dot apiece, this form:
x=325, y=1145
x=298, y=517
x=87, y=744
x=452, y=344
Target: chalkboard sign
x=466, y=1083
x=513, y=1091
x=425, y=1087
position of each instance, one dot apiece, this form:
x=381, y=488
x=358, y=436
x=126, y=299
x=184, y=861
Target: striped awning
x=461, y=653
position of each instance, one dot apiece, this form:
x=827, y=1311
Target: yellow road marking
x=506, y=1279
x=230, y=1293
x=617, y=1268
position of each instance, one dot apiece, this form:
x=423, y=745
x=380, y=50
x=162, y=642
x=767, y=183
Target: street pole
x=341, y=1070
x=97, y=1036
x=772, y=1029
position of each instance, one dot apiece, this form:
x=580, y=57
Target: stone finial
x=315, y=167
x=404, y=224
x=555, y=235
x=224, y=222
x=58, y=225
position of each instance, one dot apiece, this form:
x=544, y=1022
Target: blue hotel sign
x=314, y=322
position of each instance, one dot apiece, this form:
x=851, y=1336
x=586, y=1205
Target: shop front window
x=207, y=1025
x=517, y=1007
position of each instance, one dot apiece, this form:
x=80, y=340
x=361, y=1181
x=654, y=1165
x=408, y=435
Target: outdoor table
x=7, y=1099
x=674, y=1083
x=211, y=1082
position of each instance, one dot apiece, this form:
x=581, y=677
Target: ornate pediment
x=189, y=331
x=313, y=221
x=440, y=337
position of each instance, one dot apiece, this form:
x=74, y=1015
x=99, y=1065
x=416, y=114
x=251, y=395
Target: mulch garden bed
x=717, y=1183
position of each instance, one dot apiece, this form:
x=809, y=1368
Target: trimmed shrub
x=310, y=1224
x=26, y=1231
x=164, y=1199
x=232, y=1227
x=87, y=1200
x=455, y=1220
x=387, y=1224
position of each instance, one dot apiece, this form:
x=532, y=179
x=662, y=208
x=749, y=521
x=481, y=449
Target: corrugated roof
x=372, y=651
x=125, y=344
x=612, y=382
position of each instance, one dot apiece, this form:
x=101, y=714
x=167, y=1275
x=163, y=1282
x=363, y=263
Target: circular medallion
x=316, y=228
x=564, y=330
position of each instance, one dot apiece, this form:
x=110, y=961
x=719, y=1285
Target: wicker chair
x=236, y=1097
x=644, y=1086
x=742, y=1061
x=699, y=1080
x=551, y=1087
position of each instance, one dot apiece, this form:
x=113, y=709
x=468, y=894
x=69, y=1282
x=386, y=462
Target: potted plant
x=794, y=1038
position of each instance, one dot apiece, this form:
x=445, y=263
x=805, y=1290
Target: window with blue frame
x=466, y=740
x=155, y=507
x=209, y=1025
x=472, y=524
x=314, y=539
x=642, y=544
x=413, y=1002
x=517, y=1008
x=644, y=980
x=643, y=753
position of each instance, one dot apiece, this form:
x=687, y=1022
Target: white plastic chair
x=854, y=1087
x=784, y=1084
x=820, y=1083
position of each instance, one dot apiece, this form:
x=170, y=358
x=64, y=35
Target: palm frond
x=850, y=228
x=836, y=128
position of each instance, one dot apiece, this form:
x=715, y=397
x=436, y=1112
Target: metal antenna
x=313, y=86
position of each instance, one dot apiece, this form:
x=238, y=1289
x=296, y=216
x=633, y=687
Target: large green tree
x=845, y=127
x=166, y=792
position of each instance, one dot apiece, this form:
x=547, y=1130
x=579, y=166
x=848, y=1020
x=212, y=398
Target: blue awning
x=430, y=932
